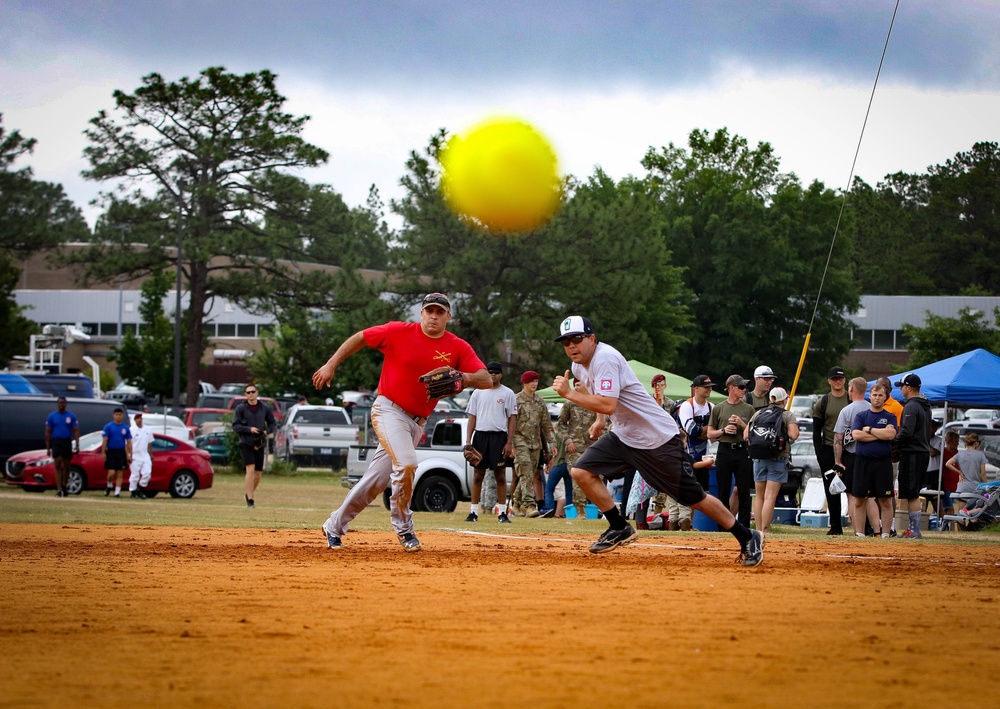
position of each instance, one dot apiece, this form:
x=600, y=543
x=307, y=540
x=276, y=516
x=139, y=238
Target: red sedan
x=178, y=468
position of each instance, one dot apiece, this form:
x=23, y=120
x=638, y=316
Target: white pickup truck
x=443, y=477
x=315, y=435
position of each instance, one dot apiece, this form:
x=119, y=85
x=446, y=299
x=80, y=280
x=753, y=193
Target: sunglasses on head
x=576, y=340
x=437, y=300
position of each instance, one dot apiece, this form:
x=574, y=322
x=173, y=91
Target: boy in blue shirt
x=873, y=431
x=116, y=448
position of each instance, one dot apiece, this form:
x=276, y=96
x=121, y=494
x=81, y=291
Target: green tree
x=942, y=337
x=753, y=243
x=216, y=148
x=602, y=256
x=34, y=216
x=146, y=360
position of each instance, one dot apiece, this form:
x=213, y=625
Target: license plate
x=326, y=451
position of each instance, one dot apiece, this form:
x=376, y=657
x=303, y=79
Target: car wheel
x=436, y=493
x=76, y=482
x=183, y=484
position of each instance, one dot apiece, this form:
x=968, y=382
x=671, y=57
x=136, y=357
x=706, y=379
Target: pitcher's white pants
x=394, y=462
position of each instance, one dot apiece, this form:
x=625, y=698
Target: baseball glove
x=442, y=382
x=472, y=455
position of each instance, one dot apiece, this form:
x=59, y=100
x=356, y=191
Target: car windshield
x=980, y=413
x=203, y=416
x=91, y=441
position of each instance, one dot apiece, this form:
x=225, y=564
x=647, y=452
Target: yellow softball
x=503, y=174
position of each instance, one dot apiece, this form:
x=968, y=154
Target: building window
x=902, y=341
x=246, y=330
x=208, y=329
x=885, y=339
x=863, y=338
x=265, y=331
x=226, y=330
x=109, y=329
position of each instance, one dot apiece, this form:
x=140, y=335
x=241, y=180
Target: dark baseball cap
x=703, y=380
x=910, y=380
x=439, y=299
x=493, y=367
x=836, y=372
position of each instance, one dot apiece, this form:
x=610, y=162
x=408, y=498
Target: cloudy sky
x=604, y=80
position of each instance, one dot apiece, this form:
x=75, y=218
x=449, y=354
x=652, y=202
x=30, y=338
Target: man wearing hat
x=825, y=414
x=492, y=421
x=400, y=411
x=141, y=468
x=763, y=380
x=914, y=441
x=533, y=434
x=644, y=437
x=727, y=424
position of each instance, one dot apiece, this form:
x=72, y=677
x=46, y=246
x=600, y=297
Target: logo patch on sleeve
x=606, y=385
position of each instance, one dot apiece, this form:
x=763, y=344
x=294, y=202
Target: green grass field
x=301, y=500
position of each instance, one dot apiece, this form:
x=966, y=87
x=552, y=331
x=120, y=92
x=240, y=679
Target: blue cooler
x=699, y=520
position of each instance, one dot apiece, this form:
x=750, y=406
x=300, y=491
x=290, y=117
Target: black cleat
x=502, y=518
x=614, y=538
x=473, y=517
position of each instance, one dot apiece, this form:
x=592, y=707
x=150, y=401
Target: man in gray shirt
x=644, y=437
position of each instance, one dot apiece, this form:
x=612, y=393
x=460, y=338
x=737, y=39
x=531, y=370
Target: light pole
x=121, y=285
x=181, y=184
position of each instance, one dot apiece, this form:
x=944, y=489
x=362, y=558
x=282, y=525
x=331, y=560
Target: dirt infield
x=129, y=616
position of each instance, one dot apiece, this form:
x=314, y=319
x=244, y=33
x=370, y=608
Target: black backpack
x=767, y=434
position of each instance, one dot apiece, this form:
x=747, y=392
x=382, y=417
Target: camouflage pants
x=525, y=465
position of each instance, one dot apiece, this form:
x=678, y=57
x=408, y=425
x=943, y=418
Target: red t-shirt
x=949, y=479
x=410, y=353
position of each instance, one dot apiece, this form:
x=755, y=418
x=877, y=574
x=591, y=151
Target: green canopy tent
x=677, y=386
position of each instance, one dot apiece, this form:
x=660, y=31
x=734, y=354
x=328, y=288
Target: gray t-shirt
x=844, y=420
x=968, y=461
x=638, y=420
x=492, y=408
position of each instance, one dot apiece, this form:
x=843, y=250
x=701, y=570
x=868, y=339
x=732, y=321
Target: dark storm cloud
x=575, y=43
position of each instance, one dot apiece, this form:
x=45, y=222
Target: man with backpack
x=825, y=413
x=769, y=436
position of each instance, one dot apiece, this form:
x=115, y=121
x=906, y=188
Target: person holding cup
x=726, y=425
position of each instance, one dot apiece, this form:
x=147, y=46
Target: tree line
x=709, y=261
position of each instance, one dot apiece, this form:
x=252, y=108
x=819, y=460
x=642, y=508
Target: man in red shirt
x=401, y=409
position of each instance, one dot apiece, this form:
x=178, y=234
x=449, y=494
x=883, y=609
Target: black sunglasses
x=576, y=340
x=251, y=391
x=740, y=386
x=437, y=300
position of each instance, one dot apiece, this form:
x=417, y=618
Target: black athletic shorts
x=848, y=459
x=912, y=469
x=116, y=460
x=252, y=456
x=660, y=467
x=62, y=448
x=872, y=477
x=490, y=445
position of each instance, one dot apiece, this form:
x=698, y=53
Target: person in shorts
x=492, y=424
x=253, y=420
x=62, y=439
x=643, y=437
x=116, y=449
x=769, y=474
x=873, y=431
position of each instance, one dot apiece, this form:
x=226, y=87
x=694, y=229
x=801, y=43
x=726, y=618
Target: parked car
x=78, y=385
x=989, y=444
x=14, y=383
x=166, y=425
x=802, y=406
x=804, y=456
x=357, y=397
x=315, y=435
x=132, y=396
x=22, y=420
x=178, y=468
x=215, y=445
x=990, y=416
x=232, y=388
x=195, y=418
x=937, y=413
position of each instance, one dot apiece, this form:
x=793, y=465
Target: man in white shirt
x=644, y=437
x=142, y=458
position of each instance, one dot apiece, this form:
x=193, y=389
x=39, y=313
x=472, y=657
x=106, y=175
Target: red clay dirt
x=96, y=616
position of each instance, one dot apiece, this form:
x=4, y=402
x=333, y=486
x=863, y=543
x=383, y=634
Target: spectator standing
x=62, y=440
x=844, y=450
x=575, y=426
x=532, y=433
x=873, y=431
x=116, y=449
x=949, y=476
x=492, y=421
x=693, y=415
x=969, y=464
x=763, y=380
x=142, y=458
x=825, y=413
x=659, y=385
x=644, y=437
x=253, y=420
x=727, y=424
x=770, y=474
x=399, y=412
x=914, y=441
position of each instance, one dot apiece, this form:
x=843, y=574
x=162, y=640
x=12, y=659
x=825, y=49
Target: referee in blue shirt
x=116, y=447
x=61, y=430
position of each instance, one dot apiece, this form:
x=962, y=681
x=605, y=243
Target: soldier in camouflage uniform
x=533, y=432
x=573, y=427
